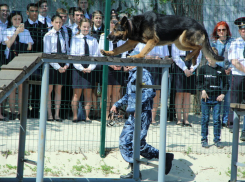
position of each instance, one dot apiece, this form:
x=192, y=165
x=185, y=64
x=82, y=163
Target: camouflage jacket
x=130, y=97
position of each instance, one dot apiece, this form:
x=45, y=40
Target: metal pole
x=137, y=123
x=42, y=123
x=22, y=136
x=105, y=82
x=234, y=156
x=163, y=125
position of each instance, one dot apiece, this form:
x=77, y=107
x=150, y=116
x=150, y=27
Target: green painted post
x=105, y=81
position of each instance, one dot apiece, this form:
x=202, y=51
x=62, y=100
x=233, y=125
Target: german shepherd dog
x=156, y=29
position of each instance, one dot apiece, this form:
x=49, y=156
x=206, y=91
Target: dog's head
x=120, y=31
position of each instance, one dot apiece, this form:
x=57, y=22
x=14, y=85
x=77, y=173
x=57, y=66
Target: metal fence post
x=22, y=134
x=163, y=125
x=42, y=123
x=235, y=139
x=137, y=123
x=105, y=82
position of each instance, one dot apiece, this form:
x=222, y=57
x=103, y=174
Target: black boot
x=168, y=165
x=131, y=174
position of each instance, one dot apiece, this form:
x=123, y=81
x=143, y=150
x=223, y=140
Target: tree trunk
x=193, y=9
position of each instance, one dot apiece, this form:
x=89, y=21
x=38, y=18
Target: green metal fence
x=68, y=136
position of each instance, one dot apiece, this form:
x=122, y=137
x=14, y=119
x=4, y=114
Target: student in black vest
x=37, y=31
x=18, y=40
x=97, y=29
x=83, y=45
x=43, y=13
x=56, y=41
x=67, y=89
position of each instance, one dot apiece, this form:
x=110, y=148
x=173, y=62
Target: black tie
x=58, y=43
x=114, y=46
x=45, y=21
x=244, y=53
x=35, y=25
x=86, y=48
x=17, y=39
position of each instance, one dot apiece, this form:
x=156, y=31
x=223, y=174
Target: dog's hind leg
x=130, y=44
x=190, y=40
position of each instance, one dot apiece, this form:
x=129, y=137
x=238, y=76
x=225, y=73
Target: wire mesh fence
x=73, y=133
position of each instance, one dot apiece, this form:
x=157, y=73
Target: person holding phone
x=18, y=40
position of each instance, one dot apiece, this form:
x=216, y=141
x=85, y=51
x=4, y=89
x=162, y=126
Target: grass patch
x=9, y=166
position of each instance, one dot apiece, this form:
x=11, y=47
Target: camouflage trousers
x=126, y=138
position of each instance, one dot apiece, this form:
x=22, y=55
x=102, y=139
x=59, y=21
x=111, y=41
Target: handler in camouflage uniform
x=126, y=137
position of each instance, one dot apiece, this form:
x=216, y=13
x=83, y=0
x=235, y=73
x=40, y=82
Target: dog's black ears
x=124, y=21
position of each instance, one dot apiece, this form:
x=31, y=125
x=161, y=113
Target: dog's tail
x=208, y=51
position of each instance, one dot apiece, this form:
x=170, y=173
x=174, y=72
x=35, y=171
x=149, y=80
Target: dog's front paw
x=105, y=53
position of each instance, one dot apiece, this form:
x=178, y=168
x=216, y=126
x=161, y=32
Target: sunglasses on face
x=219, y=30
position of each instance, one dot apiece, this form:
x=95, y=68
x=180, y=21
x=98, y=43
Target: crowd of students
x=82, y=34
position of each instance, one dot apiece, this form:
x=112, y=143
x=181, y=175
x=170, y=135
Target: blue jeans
x=206, y=107
x=226, y=107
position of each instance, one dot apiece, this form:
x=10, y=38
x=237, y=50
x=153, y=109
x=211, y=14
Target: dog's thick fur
x=156, y=29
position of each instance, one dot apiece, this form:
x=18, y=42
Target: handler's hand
x=220, y=97
x=204, y=95
x=114, y=109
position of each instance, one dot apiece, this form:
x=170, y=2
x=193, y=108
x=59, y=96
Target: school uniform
x=51, y=46
x=19, y=46
x=78, y=48
x=74, y=29
x=115, y=77
x=37, y=31
x=160, y=51
x=45, y=20
x=3, y=26
x=182, y=82
x=96, y=32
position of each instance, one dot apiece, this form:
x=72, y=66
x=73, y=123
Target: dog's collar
x=130, y=28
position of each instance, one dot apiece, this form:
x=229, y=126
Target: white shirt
x=32, y=22
x=236, y=52
x=74, y=29
x=77, y=49
x=176, y=53
x=160, y=51
x=119, y=43
x=86, y=16
x=69, y=24
x=3, y=26
x=95, y=28
x=50, y=45
x=42, y=20
x=24, y=37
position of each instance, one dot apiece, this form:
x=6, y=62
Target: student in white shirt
x=43, y=13
x=83, y=45
x=56, y=41
x=158, y=52
x=115, y=73
x=185, y=83
x=2, y=118
x=78, y=15
x=4, y=13
x=18, y=40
